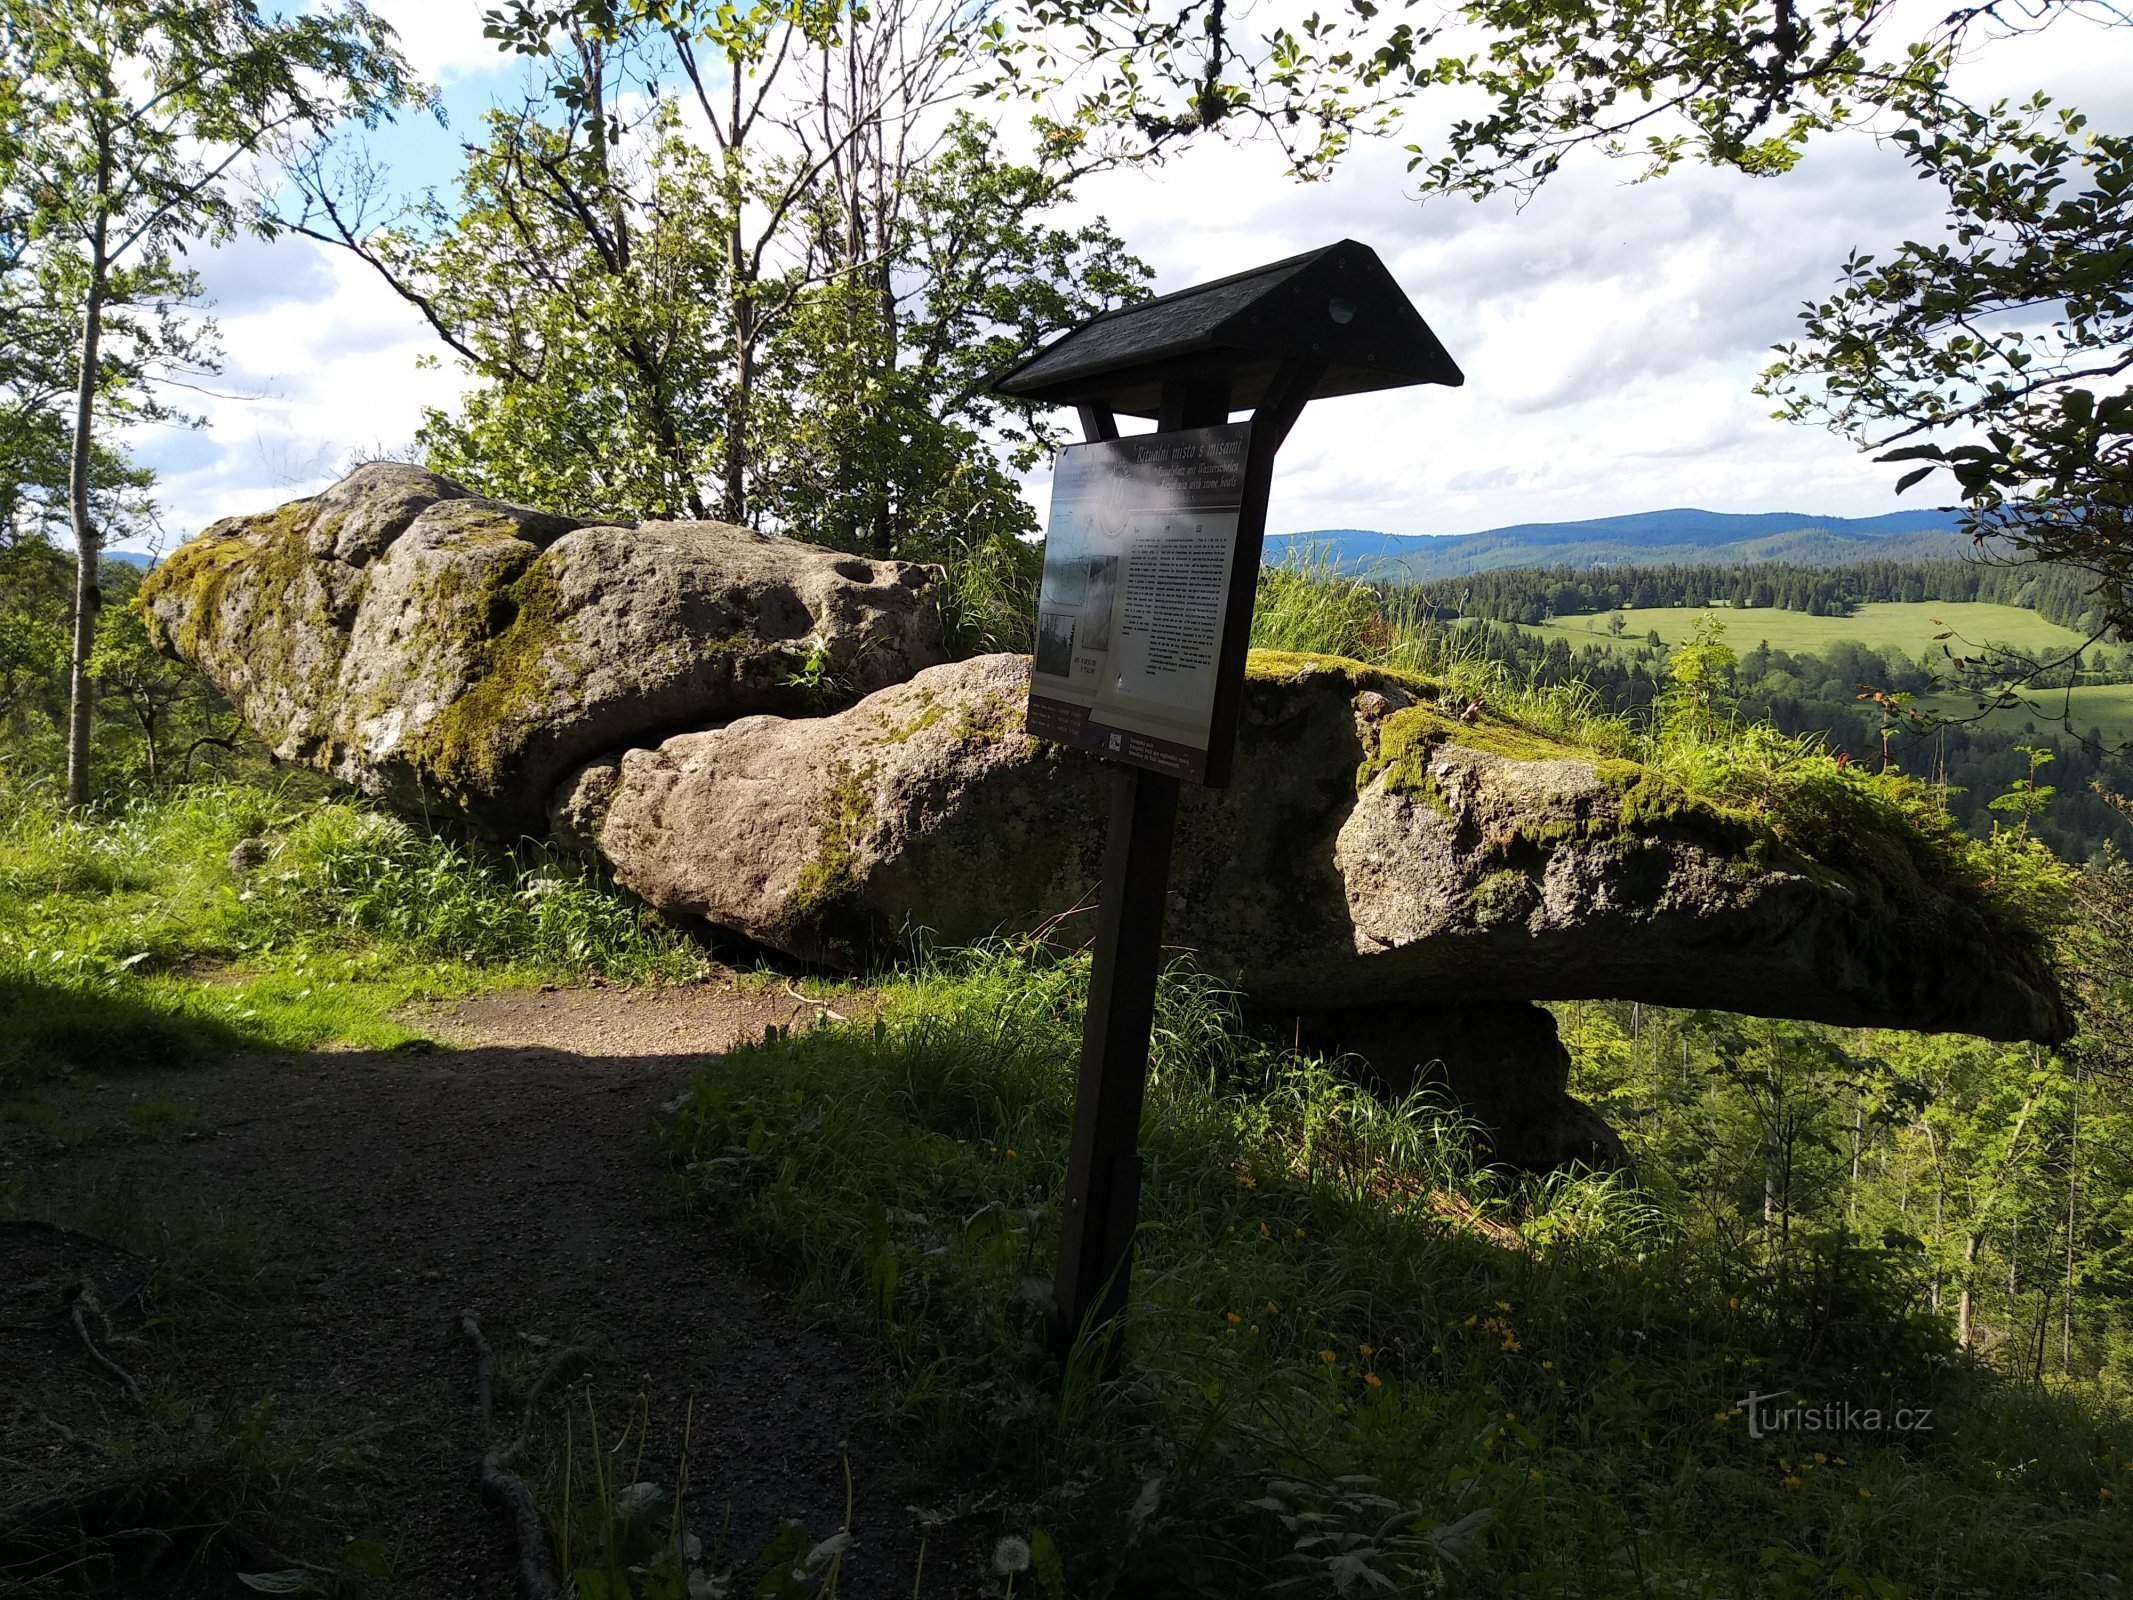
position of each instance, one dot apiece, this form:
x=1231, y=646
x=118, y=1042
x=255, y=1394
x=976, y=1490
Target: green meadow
x=1912, y=627
x=2106, y=708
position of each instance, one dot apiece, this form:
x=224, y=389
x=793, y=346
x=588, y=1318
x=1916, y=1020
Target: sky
x=1610, y=332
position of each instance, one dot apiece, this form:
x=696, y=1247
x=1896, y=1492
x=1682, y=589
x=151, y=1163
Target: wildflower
x=1299, y=1233
x=1373, y=1380
x=1535, y=1474
x=1791, y=1482
x=1010, y=1154
x=1254, y=1328
x=1233, y=1317
x=1503, y=1305
x=2106, y=1493
x=1265, y=1232
x=1720, y=1416
x=1010, y=1555
x=1328, y=1357
x=1371, y=1350
x=1272, y=1309
x=1547, y=1366
x=1866, y=1494
x=1734, y=1303
x=1469, y=1322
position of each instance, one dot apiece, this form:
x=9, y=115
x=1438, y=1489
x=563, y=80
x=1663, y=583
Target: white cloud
x=310, y=376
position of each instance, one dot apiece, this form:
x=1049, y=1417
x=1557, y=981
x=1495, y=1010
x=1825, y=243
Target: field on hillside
x=1906, y=627
x=2106, y=707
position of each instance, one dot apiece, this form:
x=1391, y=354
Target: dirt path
x=509, y=1170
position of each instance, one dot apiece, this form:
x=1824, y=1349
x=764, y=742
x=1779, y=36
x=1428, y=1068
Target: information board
x=1137, y=559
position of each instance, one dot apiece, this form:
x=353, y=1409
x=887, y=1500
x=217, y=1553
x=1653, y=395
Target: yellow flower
x=1503, y=1305
x=1535, y=1474
x=1791, y=1482
x=1299, y=1233
x=1470, y=1322
x=1371, y=1350
x=1720, y=1416
x=1734, y=1303
x=1272, y=1309
x=1010, y=1154
x=1233, y=1317
x=1373, y=1380
x=1866, y=1494
x=1265, y=1232
x=1328, y=1357
x=1253, y=1329
x=1820, y=1459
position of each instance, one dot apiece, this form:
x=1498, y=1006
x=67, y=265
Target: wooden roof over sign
x=1337, y=306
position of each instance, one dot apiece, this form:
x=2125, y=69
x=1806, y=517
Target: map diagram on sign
x=1137, y=562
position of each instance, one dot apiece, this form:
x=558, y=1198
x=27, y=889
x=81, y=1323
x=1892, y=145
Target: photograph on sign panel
x=1055, y=644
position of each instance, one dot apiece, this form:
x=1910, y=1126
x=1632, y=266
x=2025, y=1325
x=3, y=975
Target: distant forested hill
x=1647, y=538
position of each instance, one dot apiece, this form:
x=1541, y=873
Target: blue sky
x=1610, y=332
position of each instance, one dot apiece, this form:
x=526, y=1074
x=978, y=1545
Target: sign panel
x=1137, y=562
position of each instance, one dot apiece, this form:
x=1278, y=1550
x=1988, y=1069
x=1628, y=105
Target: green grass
x=129, y=935
x=1353, y=1363
x=2105, y=707
x=1908, y=628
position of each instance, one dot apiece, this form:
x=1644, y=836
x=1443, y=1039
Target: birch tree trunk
x=88, y=538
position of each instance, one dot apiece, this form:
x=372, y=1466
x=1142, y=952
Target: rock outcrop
x=1388, y=882
x=444, y=651
x=1368, y=851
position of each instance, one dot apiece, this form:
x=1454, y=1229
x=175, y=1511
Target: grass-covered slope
x=1353, y=1364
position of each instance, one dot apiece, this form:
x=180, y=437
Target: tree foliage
x=131, y=123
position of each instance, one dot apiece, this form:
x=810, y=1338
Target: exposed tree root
x=85, y=1306
x=502, y=1487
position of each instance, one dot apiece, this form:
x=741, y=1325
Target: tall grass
x=1306, y=606
x=132, y=932
x=1355, y=1363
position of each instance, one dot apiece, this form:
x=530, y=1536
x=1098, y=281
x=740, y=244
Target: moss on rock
x=518, y=643
x=841, y=821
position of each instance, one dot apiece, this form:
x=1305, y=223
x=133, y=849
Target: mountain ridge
x=1675, y=536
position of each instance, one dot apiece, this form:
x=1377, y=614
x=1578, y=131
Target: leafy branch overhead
x=2015, y=332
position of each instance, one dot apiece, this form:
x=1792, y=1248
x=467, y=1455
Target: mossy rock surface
x=1373, y=847
x=446, y=652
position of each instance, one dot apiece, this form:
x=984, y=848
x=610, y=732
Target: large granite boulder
x=1370, y=850
x=441, y=650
